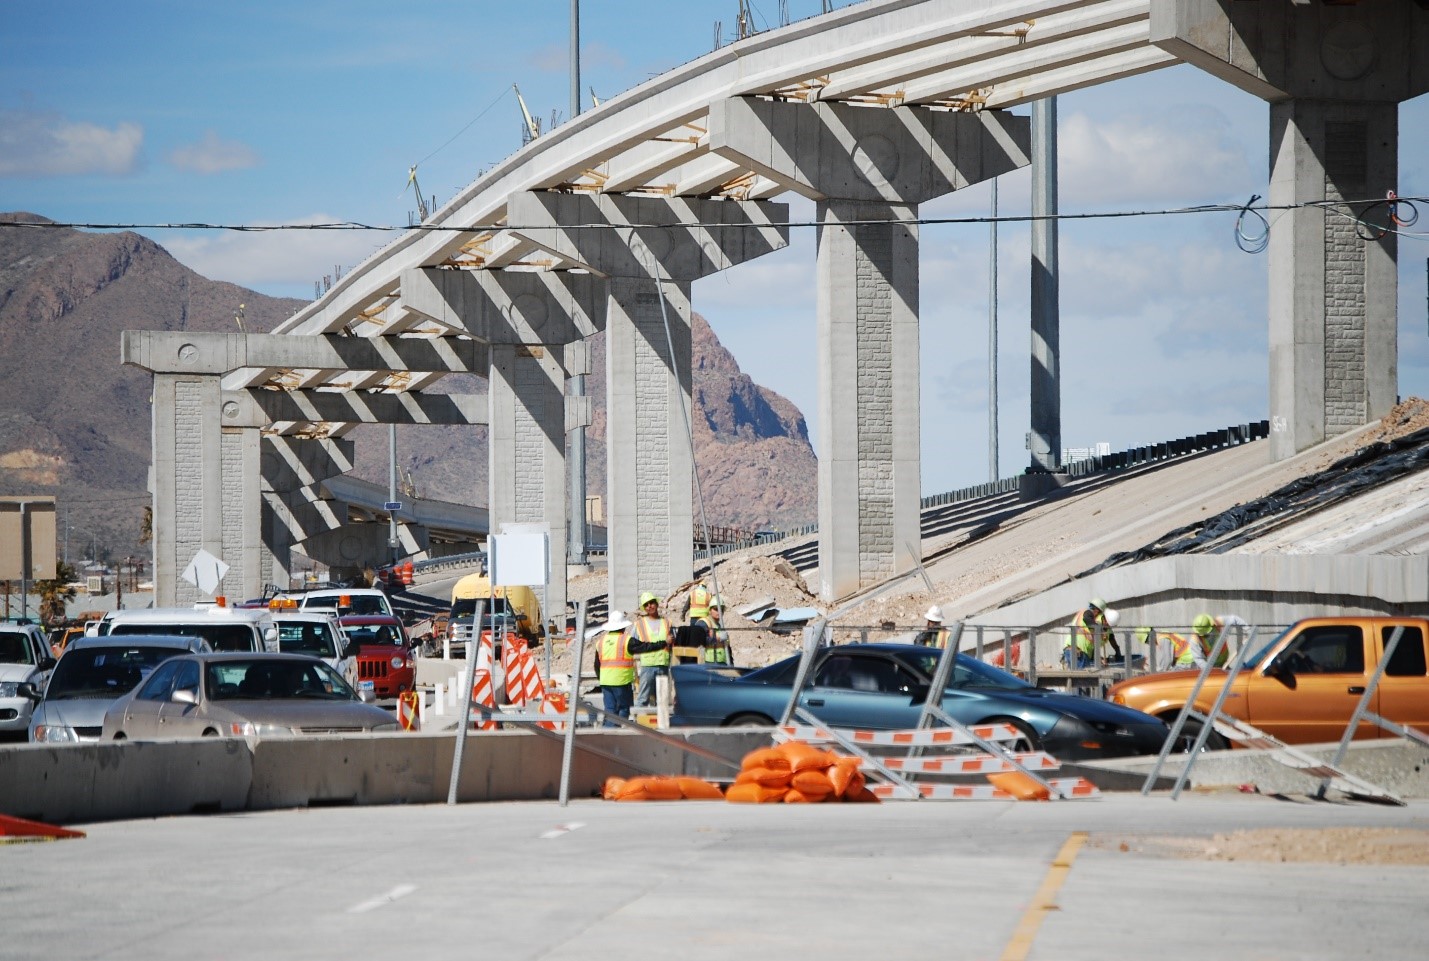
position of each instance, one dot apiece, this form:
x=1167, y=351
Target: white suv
x=24, y=657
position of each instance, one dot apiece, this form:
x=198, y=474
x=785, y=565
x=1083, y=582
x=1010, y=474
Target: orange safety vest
x=1182, y=654
x=617, y=667
x=714, y=641
x=1081, y=632
x=660, y=632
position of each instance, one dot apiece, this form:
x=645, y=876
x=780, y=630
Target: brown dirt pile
x=1347, y=845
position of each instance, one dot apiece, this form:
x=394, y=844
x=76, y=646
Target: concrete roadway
x=690, y=880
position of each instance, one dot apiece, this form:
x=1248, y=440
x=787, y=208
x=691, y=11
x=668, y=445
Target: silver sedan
x=242, y=695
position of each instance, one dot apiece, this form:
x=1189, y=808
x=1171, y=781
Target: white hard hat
x=1111, y=617
x=618, y=622
x=935, y=613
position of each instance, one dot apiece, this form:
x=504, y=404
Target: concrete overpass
x=605, y=222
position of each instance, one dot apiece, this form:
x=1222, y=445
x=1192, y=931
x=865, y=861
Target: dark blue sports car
x=884, y=686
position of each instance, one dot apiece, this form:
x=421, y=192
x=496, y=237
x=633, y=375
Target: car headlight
x=249, y=729
x=9, y=688
x=398, y=663
x=54, y=734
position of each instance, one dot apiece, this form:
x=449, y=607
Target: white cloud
x=1181, y=154
x=212, y=155
x=278, y=262
x=48, y=145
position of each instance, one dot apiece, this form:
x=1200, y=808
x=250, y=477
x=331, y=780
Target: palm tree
x=55, y=593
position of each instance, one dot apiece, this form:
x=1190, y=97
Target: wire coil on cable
x=1252, y=244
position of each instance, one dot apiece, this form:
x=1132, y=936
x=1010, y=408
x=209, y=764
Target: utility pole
x=992, y=469
x=575, y=480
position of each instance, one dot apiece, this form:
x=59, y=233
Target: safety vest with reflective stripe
x=1182, y=653
x=699, y=603
x=659, y=633
x=617, y=667
x=714, y=641
x=1081, y=633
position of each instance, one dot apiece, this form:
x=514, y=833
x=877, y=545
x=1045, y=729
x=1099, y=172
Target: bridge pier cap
x=1334, y=74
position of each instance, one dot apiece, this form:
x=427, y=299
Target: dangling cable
x=1257, y=244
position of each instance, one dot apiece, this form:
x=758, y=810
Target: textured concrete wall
x=869, y=400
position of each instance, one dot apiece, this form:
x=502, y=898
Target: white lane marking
x=400, y=891
x=560, y=829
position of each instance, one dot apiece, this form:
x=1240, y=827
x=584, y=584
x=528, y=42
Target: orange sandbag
x=650, y=789
x=748, y=792
x=767, y=777
x=793, y=796
x=812, y=784
x=768, y=757
x=841, y=775
x=862, y=796
x=806, y=757
x=612, y=787
x=1020, y=786
x=694, y=789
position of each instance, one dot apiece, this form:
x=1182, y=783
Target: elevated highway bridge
x=604, y=223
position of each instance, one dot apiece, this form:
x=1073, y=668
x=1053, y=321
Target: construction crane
x=422, y=208
x=533, y=126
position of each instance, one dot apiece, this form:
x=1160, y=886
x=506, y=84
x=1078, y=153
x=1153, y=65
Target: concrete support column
x=1334, y=75
x=1046, y=386
x=650, y=490
x=1333, y=293
x=868, y=394
x=527, y=451
x=206, y=493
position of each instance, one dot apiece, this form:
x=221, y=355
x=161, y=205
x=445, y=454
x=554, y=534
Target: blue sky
x=264, y=112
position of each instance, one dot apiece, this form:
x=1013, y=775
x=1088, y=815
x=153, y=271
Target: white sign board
x=205, y=572
x=519, y=559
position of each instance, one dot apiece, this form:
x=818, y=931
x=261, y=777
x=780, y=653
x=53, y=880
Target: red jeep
x=384, y=658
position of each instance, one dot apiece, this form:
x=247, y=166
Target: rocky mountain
x=75, y=423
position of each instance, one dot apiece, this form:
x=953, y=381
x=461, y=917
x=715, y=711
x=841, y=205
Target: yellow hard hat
x=647, y=597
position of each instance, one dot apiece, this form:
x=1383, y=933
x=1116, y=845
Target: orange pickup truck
x=1303, y=686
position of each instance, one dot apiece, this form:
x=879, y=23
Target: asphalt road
x=691, y=880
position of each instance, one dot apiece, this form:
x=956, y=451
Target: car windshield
x=305, y=638
x=493, y=607
x=15, y=648
x=363, y=634
x=220, y=636
x=104, y=671
x=273, y=679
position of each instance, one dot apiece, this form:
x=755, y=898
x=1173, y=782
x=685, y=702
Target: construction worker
x=1094, y=620
x=933, y=633
x=716, y=647
x=1238, y=630
x=654, y=639
x=699, y=603
x=1204, y=627
x=615, y=666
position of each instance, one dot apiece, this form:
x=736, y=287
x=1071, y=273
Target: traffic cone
x=407, y=708
x=553, y=703
x=483, y=693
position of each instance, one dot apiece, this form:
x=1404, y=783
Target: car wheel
x=120, y=736
x=749, y=720
x=1028, y=742
x=210, y=732
x=1189, y=732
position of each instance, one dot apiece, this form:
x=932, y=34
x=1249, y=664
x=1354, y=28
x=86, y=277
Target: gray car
x=242, y=695
x=94, y=673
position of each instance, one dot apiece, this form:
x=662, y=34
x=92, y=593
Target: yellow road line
x=1044, y=900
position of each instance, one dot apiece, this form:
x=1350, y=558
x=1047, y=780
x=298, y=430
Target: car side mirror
x=918, y=693
x=47, y=664
x=27, y=689
x=185, y=695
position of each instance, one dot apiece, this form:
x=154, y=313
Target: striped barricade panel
x=922, y=737
x=971, y=763
x=1067, y=787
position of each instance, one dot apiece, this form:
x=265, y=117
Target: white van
x=225, y=628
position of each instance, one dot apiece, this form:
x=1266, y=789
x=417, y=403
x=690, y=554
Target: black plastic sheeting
x=1369, y=467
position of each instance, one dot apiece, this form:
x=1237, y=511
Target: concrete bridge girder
x=867, y=169
x=1334, y=75
x=649, y=261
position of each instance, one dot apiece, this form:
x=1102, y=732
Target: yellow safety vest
x=699, y=603
x=1081, y=633
x=617, y=667
x=1182, y=654
x=714, y=642
x=648, y=635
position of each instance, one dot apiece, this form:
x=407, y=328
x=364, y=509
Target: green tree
x=55, y=593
